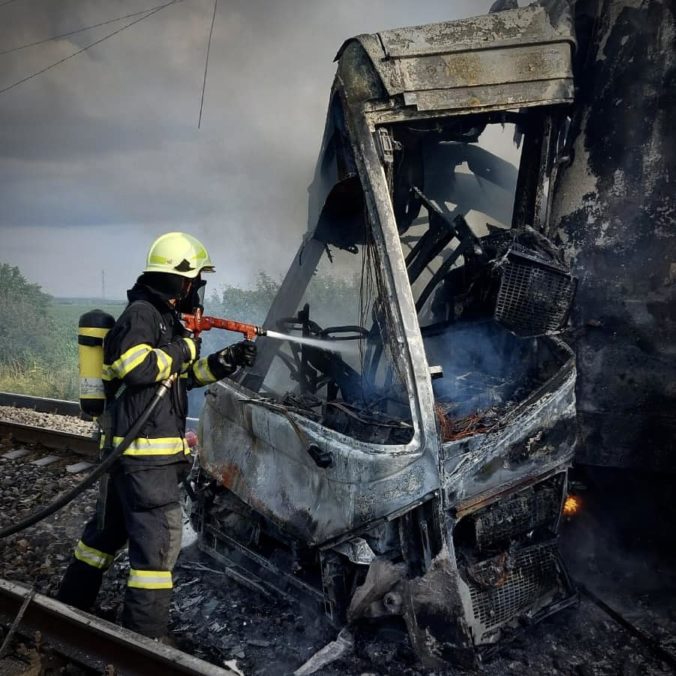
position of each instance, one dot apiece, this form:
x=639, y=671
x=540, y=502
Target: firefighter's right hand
x=191, y=348
x=239, y=354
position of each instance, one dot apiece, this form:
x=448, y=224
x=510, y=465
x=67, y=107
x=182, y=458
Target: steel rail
x=93, y=643
x=42, y=404
x=59, y=406
x=49, y=438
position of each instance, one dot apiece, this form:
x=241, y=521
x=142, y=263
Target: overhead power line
x=7, y=2
x=89, y=46
x=206, y=64
x=78, y=30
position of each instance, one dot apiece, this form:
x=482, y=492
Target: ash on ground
x=623, y=553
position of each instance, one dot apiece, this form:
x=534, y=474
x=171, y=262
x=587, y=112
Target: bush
x=245, y=305
x=37, y=354
x=26, y=328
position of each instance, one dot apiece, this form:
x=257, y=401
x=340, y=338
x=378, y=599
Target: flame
x=572, y=505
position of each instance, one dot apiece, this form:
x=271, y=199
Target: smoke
x=484, y=366
x=103, y=151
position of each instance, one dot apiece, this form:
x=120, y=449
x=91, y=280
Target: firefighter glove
x=239, y=354
x=190, y=347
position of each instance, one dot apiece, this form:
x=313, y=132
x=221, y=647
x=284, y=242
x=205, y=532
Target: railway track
x=42, y=404
x=37, y=633
x=48, y=432
x=79, y=639
x=45, y=422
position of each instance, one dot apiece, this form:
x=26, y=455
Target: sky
x=102, y=153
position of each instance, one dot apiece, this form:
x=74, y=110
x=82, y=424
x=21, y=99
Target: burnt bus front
x=408, y=460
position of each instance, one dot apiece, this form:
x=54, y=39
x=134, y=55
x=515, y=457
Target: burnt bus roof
x=511, y=59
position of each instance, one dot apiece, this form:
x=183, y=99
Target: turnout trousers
x=142, y=507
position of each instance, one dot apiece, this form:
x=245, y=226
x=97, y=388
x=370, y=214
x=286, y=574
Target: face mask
x=193, y=298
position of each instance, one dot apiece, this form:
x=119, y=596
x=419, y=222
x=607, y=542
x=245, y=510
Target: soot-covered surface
x=620, y=545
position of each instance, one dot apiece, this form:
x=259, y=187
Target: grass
x=55, y=373
x=41, y=379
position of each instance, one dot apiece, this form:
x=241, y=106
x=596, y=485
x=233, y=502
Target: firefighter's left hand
x=239, y=354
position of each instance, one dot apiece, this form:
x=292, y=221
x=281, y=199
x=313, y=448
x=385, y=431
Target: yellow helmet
x=180, y=254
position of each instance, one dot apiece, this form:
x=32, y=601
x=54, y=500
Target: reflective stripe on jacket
x=145, y=346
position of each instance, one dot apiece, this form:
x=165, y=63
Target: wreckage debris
x=342, y=646
x=438, y=446
x=454, y=430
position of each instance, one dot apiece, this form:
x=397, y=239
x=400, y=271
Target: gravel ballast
x=52, y=421
x=214, y=618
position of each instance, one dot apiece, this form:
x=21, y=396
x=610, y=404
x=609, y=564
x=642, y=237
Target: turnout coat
x=145, y=346
x=139, y=503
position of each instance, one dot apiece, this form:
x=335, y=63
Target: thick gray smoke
x=102, y=152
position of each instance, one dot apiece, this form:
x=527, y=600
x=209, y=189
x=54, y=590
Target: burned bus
x=408, y=459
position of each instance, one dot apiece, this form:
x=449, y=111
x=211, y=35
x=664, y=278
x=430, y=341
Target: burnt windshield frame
x=342, y=225
x=334, y=166
x=537, y=144
x=464, y=260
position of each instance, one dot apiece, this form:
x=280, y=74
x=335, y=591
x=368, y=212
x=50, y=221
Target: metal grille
x=518, y=514
x=534, y=296
x=533, y=573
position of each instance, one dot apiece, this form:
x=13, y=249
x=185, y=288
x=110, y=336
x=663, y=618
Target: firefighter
x=140, y=503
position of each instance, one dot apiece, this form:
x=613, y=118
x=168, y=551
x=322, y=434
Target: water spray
x=321, y=343
x=196, y=323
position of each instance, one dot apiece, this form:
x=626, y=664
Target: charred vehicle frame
x=418, y=467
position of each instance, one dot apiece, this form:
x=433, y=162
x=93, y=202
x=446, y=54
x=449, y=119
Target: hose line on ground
x=63, y=499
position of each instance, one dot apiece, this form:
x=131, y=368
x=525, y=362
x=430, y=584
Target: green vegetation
x=38, y=334
x=244, y=305
x=38, y=337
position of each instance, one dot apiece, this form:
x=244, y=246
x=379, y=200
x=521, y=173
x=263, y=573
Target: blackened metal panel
x=536, y=439
x=499, y=55
x=259, y=451
x=613, y=210
x=525, y=26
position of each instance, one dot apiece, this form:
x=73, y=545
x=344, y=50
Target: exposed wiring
x=206, y=64
x=79, y=30
x=89, y=46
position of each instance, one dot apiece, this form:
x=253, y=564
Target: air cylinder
x=93, y=327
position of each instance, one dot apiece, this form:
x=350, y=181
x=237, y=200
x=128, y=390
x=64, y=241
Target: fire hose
x=196, y=323
x=64, y=498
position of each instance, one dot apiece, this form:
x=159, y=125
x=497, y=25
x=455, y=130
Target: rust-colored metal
x=454, y=430
x=228, y=475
